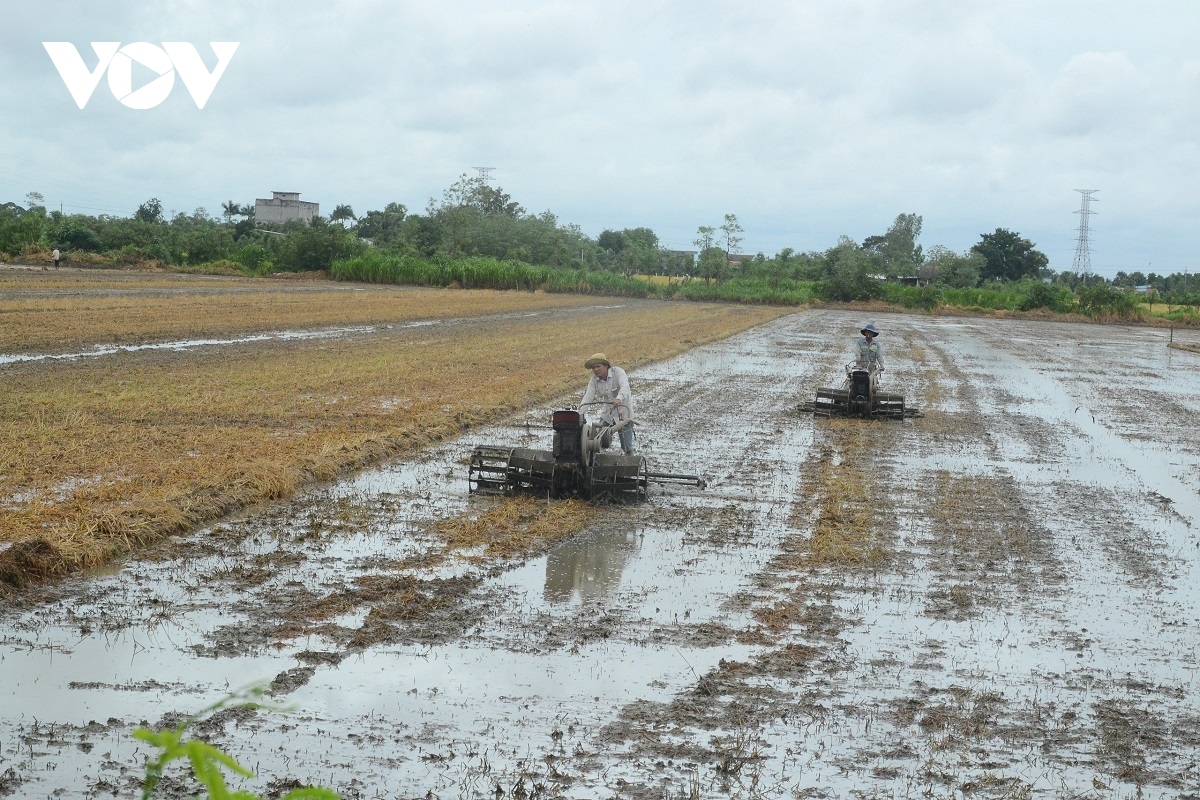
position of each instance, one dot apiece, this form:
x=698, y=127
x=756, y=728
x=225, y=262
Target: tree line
x=474, y=220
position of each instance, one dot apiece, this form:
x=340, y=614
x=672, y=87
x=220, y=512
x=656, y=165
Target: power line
x=1082, y=264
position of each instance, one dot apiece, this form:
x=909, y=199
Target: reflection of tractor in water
x=589, y=567
x=576, y=467
x=859, y=396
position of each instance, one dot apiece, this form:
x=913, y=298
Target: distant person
x=55, y=256
x=868, y=354
x=610, y=385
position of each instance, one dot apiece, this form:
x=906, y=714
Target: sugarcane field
x=385, y=515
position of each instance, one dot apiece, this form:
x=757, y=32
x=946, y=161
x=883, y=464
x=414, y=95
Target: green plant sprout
x=210, y=763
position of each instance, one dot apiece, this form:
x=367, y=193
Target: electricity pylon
x=1083, y=248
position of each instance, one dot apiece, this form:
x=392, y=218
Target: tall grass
x=748, y=290
x=481, y=272
x=373, y=266
x=491, y=273
x=1001, y=298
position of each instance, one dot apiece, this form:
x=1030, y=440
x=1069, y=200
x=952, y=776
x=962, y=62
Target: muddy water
x=1034, y=632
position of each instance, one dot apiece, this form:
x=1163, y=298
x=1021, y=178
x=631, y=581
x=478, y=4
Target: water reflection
x=589, y=567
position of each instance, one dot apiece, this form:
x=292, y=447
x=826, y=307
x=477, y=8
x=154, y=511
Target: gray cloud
x=808, y=120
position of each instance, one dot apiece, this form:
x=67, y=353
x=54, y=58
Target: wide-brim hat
x=598, y=358
x=869, y=329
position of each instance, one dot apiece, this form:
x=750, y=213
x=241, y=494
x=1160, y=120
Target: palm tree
x=343, y=213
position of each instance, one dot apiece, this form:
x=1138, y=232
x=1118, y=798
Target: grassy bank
x=1097, y=302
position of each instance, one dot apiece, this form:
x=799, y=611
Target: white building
x=284, y=207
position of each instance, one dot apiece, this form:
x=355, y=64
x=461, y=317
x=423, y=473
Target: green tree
x=897, y=252
x=468, y=192
x=713, y=263
x=632, y=250
x=74, y=233
x=383, y=227
x=781, y=265
x=641, y=237
x=849, y=277
x=704, y=243
x=1099, y=298
x=1045, y=295
x=342, y=213
x=424, y=233
x=19, y=227
x=1009, y=257
x=150, y=211
x=494, y=201
x=731, y=232
x=948, y=268
x=901, y=253
x=612, y=241
x=317, y=246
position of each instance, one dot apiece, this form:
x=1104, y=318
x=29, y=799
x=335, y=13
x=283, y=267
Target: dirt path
x=995, y=600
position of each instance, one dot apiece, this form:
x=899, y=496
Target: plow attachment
x=488, y=473
x=615, y=477
x=576, y=467
x=840, y=403
x=859, y=397
x=618, y=477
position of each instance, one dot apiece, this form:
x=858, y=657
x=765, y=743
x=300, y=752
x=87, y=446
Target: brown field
x=661, y=280
x=45, y=313
x=101, y=454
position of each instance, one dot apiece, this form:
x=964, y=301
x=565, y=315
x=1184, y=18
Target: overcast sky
x=809, y=120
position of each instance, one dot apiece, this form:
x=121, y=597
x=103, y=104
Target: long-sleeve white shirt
x=604, y=391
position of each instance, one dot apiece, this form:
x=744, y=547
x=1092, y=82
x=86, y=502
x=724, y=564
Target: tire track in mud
x=838, y=517
x=985, y=546
x=1061, y=524
x=1053, y=444
x=806, y=691
x=977, y=533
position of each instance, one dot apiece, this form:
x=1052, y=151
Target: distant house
x=688, y=256
x=1146, y=289
x=285, y=207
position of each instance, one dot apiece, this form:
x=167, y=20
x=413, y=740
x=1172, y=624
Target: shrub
x=1044, y=295
x=1100, y=299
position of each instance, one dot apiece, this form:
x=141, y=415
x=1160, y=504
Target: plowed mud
x=995, y=600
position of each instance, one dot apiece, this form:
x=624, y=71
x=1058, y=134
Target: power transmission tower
x=485, y=174
x=1083, y=249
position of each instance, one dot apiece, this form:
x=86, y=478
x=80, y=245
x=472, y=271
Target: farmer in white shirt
x=610, y=385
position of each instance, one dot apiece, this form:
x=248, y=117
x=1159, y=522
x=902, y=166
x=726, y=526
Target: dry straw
x=99, y=456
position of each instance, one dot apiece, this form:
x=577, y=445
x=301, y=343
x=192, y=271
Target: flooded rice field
x=1004, y=602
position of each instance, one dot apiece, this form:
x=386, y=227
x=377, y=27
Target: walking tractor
x=859, y=396
x=575, y=467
